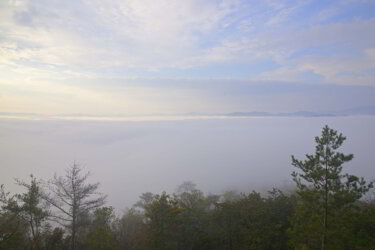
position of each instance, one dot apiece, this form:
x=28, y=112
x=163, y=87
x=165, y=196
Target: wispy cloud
x=49, y=51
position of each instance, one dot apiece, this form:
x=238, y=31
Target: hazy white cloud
x=341, y=69
x=284, y=11
x=116, y=33
x=154, y=35
x=45, y=44
x=327, y=13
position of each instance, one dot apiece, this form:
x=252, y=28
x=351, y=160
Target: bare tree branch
x=70, y=195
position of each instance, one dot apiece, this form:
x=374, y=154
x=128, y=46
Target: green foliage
x=325, y=194
x=162, y=214
x=33, y=210
x=100, y=235
x=193, y=217
x=22, y=216
x=191, y=220
x=13, y=230
x=254, y=222
x=54, y=239
x=130, y=230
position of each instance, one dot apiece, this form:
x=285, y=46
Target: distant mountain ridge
x=363, y=110
x=293, y=114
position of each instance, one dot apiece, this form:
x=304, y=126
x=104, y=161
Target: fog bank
x=132, y=157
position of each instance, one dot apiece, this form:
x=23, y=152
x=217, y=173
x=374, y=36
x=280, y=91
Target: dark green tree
x=254, y=222
x=13, y=229
x=193, y=217
x=324, y=192
x=100, y=233
x=33, y=210
x=130, y=230
x=54, y=239
x=163, y=222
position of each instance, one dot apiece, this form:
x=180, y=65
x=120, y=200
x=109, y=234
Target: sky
x=132, y=57
x=73, y=69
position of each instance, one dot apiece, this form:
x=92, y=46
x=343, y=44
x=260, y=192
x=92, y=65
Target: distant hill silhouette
x=363, y=110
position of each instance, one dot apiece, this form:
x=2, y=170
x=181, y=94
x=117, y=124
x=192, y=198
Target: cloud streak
x=49, y=51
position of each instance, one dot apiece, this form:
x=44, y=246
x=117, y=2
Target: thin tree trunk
x=74, y=210
x=74, y=225
x=73, y=233
x=324, y=240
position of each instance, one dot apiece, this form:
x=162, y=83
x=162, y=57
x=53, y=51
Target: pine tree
x=33, y=209
x=324, y=191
